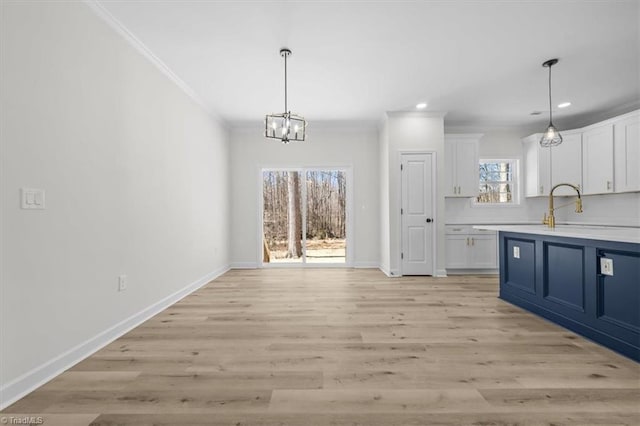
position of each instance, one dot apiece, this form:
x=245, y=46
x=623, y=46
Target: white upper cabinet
x=537, y=167
x=566, y=163
x=461, y=165
x=600, y=159
x=626, y=150
x=597, y=159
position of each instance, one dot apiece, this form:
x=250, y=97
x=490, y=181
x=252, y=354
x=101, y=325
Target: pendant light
x=551, y=136
x=286, y=127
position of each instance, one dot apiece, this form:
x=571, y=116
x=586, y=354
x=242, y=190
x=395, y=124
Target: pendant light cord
x=550, y=119
x=285, y=82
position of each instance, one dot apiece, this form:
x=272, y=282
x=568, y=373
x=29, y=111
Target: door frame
x=349, y=232
x=434, y=198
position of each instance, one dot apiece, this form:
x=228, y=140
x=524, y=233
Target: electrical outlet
x=122, y=283
x=516, y=252
x=606, y=266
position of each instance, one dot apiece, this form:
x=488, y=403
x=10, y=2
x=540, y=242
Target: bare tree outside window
x=294, y=216
x=498, y=182
x=304, y=216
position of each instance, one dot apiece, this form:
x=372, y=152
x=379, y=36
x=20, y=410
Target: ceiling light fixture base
x=545, y=64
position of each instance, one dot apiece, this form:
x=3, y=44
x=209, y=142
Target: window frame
x=515, y=181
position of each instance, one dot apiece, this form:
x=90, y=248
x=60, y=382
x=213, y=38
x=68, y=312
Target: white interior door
x=417, y=214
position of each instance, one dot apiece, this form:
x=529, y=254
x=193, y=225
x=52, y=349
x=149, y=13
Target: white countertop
x=606, y=233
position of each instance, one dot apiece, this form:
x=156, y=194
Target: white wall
x=136, y=177
x=383, y=179
x=609, y=209
x=413, y=131
x=328, y=145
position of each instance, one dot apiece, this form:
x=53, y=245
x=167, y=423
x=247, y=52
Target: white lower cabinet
x=457, y=248
x=468, y=248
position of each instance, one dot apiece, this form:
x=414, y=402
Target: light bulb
x=551, y=133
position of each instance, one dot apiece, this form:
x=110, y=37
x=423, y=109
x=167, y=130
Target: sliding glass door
x=304, y=216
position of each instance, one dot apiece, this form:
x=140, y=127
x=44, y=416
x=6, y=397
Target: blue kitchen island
x=584, y=278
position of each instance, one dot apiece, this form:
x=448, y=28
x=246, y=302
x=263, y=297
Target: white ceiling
x=353, y=60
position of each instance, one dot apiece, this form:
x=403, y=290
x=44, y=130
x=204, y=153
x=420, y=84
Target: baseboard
x=391, y=273
x=28, y=382
x=366, y=265
x=244, y=265
x=440, y=273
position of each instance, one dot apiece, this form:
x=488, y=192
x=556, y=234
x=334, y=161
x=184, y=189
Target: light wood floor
x=339, y=346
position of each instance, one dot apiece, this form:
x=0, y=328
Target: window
x=304, y=216
x=498, y=182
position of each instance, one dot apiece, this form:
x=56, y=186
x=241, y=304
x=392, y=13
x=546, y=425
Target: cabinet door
x=626, y=151
x=456, y=251
x=537, y=167
x=484, y=252
x=566, y=163
x=450, y=169
x=597, y=160
x=467, y=169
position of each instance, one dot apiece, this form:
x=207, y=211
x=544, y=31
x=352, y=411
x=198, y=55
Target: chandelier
x=285, y=126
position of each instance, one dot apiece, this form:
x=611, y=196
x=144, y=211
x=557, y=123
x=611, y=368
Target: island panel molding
x=560, y=279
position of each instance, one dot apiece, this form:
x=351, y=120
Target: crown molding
x=141, y=48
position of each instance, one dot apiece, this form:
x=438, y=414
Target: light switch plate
x=606, y=266
x=32, y=199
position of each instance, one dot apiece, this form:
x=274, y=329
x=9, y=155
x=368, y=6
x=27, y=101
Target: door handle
x=429, y=220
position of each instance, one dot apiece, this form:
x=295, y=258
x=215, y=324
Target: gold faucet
x=550, y=220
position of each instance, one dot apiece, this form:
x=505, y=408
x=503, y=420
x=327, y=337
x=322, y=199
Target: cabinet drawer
x=457, y=229
x=482, y=232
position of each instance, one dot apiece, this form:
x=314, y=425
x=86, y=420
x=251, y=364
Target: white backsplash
x=609, y=209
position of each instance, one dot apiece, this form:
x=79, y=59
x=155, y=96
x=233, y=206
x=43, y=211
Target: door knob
x=429, y=220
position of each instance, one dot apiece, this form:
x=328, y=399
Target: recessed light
x=564, y=104
x=421, y=105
